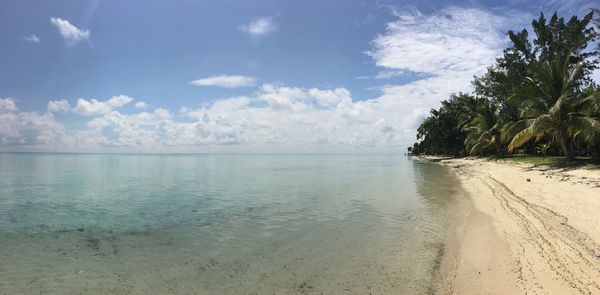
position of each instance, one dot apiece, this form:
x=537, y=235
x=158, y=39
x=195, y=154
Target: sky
x=242, y=76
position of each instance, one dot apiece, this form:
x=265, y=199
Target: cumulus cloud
x=7, y=105
x=28, y=128
x=259, y=28
x=275, y=116
x=329, y=98
x=70, y=33
x=142, y=129
x=226, y=81
x=298, y=99
x=284, y=98
x=32, y=39
x=95, y=107
x=294, y=117
x=58, y=106
x=140, y=104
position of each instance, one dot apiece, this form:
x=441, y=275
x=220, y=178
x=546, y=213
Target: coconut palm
x=484, y=130
x=549, y=102
x=586, y=127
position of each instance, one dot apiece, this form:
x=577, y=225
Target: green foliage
x=548, y=101
x=543, y=149
x=483, y=131
x=540, y=89
x=441, y=133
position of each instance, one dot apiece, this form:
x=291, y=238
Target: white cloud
x=284, y=98
x=453, y=40
x=227, y=81
x=95, y=107
x=329, y=98
x=119, y=101
x=443, y=50
x=259, y=27
x=163, y=113
x=70, y=33
x=91, y=107
x=140, y=104
x=230, y=104
x=276, y=116
x=28, y=128
x=388, y=74
x=32, y=38
x=298, y=99
x=142, y=129
x=7, y=105
x=295, y=117
x=58, y=106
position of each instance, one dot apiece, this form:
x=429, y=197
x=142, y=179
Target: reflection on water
x=216, y=224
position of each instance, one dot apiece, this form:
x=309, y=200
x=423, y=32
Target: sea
x=226, y=224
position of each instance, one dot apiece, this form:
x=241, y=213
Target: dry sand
x=530, y=230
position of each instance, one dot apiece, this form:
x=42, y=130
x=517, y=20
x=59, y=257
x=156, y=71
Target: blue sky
x=240, y=75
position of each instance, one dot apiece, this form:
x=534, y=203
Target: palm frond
x=537, y=129
x=584, y=129
x=511, y=129
x=521, y=138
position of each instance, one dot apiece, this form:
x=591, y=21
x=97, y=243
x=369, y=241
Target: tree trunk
x=596, y=153
x=498, y=146
x=565, y=146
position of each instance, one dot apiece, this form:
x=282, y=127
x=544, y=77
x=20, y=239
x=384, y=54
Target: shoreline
x=528, y=229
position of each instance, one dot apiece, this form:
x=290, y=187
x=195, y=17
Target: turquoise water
x=222, y=224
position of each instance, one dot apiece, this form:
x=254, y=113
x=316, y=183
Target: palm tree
x=586, y=127
x=549, y=101
x=484, y=130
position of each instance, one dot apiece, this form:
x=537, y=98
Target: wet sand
x=531, y=230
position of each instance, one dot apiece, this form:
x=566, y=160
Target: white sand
x=540, y=236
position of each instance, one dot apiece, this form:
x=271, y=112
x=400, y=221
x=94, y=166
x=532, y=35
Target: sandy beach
x=529, y=230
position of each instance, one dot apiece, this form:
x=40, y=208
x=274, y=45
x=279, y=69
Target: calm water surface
x=222, y=224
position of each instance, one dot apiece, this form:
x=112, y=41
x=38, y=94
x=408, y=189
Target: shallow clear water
x=218, y=224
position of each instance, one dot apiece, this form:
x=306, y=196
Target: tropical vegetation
x=539, y=97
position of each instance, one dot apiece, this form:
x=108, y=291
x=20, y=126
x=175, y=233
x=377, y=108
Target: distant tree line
x=538, y=98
